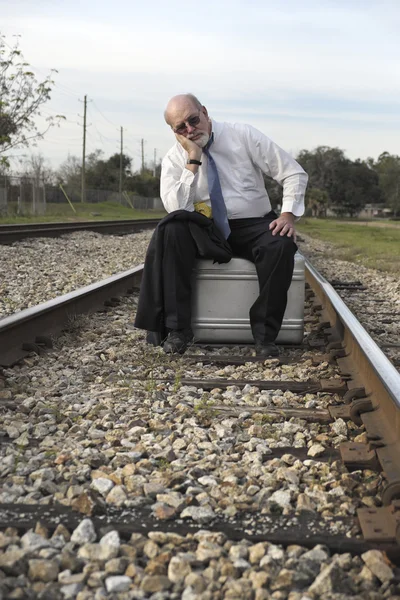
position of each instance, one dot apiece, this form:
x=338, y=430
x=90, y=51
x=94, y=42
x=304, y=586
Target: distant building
x=373, y=211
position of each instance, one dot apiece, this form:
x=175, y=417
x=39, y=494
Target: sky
x=309, y=73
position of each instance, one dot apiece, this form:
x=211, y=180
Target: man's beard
x=201, y=141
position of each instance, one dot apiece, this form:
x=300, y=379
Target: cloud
x=306, y=74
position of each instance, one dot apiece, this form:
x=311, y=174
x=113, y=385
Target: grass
x=371, y=245
x=102, y=211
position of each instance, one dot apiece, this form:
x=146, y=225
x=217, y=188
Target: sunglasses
x=191, y=121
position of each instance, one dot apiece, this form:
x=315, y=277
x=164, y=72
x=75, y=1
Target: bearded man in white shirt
x=241, y=155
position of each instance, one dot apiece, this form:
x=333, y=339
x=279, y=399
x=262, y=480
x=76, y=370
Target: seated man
x=217, y=169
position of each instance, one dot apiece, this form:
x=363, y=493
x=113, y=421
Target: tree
x=37, y=168
x=356, y=185
x=274, y=191
x=348, y=184
x=144, y=184
x=105, y=174
x=388, y=167
x=70, y=173
x=322, y=166
x=21, y=98
x=317, y=202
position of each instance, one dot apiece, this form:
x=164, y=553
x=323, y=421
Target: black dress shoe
x=178, y=341
x=266, y=349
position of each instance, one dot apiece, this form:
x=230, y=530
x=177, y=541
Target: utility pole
x=142, y=155
x=120, y=165
x=155, y=158
x=83, y=188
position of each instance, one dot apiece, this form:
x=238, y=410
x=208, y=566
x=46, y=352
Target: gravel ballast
x=89, y=425
x=39, y=269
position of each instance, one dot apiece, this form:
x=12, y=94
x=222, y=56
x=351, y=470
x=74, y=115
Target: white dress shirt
x=242, y=154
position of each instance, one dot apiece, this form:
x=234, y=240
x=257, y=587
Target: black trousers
x=273, y=256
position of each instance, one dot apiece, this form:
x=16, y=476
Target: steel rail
x=370, y=371
x=26, y=330
x=362, y=347
x=16, y=232
x=375, y=404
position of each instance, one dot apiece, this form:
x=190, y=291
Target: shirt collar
x=215, y=129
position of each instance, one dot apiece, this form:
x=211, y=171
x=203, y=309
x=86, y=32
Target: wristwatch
x=192, y=161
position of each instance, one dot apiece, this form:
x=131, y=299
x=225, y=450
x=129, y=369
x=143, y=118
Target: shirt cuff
x=290, y=206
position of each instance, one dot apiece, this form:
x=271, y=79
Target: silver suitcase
x=223, y=295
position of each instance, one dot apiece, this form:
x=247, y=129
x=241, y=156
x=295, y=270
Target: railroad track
x=296, y=451
x=14, y=233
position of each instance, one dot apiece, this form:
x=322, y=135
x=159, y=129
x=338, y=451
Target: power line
x=104, y=117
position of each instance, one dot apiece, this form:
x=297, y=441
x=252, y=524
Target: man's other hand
x=190, y=146
x=284, y=225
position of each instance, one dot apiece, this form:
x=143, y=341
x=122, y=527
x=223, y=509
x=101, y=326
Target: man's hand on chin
x=194, y=151
x=284, y=225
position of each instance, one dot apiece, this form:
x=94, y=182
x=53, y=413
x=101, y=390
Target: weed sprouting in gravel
x=205, y=411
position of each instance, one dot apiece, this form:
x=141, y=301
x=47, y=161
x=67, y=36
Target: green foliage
x=104, y=174
x=84, y=212
x=388, y=167
x=317, y=202
x=338, y=183
x=205, y=410
x=374, y=245
x=21, y=98
x=274, y=191
x=144, y=184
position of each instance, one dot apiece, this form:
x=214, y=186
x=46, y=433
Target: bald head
x=181, y=103
x=188, y=117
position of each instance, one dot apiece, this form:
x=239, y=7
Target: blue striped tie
x=217, y=200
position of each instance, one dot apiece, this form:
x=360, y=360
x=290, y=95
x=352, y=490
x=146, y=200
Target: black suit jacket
x=210, y=244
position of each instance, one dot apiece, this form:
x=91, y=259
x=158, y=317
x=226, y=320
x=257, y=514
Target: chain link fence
x=25, y=196
x=22, y=196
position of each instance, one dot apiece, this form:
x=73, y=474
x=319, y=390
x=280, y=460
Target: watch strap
x=192, y=161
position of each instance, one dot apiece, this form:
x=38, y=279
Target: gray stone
x=66, y=577
x=13, y=562
x=207, y=481
x=316, y=450
x=318, y=555
x=116, y=566
x=178, y=568
x=174, y=499
x=118, y=583
x=43, y=474
x=153, y=488
x=238, y=551
x=339, y=427
x=71, y=591
x=111, y=539
x=276, y=552
x=200, y=514
x=84, y=533
x=330, y=580
x=281, y=497
x=377, y=564
x=117, y=496
x=102, y=485
x=33, y=541
x=99, y=552
x=207, y=550
x=241, y=564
